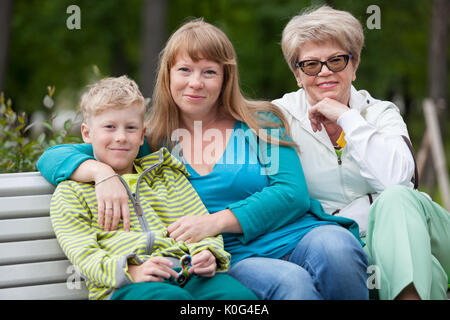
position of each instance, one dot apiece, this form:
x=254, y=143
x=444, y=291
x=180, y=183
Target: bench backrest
x=32, y=264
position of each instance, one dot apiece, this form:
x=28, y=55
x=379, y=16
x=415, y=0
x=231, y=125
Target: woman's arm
x=377, y=146
x=380, y=151
x=285, y=200
x=58, y=163
x=77, y=162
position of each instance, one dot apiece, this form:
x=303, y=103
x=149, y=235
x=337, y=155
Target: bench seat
x=32, y=264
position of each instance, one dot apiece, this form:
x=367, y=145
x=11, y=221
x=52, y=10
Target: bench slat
x=55, y=291
x=26, y=229
x=25, y=183
x=19, y=275
x=30, y=251
x=25, y=206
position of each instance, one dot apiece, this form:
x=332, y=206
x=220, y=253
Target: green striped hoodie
x=163, y=195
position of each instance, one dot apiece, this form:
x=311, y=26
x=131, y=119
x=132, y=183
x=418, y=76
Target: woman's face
x=195, y=85
x=326, y=84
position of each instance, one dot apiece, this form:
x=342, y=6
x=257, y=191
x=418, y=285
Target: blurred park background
x=50, y=50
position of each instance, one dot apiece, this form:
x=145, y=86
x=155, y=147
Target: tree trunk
x=153, y=38
x=437, y=73
x=5, y=22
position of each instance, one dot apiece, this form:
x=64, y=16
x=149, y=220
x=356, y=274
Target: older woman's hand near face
x=325, y=110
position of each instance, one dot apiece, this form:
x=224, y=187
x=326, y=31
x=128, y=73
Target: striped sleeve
x=71, y=222
x=215, y=245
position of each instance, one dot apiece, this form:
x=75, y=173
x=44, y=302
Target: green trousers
x=220, y=287
x=408, y=241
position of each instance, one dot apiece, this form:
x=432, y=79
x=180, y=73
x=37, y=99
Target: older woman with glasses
x=354, y=149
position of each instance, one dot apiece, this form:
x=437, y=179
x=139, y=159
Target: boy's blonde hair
x=111, y=92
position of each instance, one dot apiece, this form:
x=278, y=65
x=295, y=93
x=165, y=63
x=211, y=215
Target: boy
x=136, y=264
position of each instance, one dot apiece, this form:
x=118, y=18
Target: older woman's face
x=326, y=84
x=195, y=85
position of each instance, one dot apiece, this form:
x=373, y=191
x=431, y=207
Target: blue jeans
x=328, y=263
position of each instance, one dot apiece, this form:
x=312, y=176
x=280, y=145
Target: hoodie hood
x=161, y=157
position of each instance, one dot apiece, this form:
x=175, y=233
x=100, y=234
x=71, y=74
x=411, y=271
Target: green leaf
x=68, y=124
x=47, y=125
x=41, y=138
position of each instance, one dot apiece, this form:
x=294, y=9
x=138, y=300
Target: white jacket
x=375, y=157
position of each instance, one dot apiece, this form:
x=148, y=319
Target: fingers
x=179, y=232
x=109, y=211
x=204, y=264
x=160, y=266
x=315, y=119
x=172, y=228
x=155, y=269
x=112, y=199
x=117, y=213
x=101, y=213
x=126, y=216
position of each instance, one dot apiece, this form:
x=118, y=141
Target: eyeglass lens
x=335, y=64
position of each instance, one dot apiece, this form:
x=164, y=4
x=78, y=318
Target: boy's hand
x=155, y=269
x=204, y=264
x=112, y=201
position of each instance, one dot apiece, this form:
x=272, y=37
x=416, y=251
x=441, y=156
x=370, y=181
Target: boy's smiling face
x=116, y=135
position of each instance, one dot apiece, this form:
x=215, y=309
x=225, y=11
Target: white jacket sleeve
x=379, y=148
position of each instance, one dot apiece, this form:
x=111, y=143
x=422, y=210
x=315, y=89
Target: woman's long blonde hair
x=201, y=40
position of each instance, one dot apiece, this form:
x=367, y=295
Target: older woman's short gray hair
x=322, y=25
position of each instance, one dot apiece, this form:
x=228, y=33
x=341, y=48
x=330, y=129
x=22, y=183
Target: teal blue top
x=235, y=177
x=264, y=187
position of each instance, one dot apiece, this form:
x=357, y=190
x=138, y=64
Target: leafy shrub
x=19, y=151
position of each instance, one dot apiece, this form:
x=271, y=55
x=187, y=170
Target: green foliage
x=42, y=49
x=393, y=62
x=20, y=151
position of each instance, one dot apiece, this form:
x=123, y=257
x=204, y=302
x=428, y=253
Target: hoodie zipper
x=341, y=178
x=134, y=197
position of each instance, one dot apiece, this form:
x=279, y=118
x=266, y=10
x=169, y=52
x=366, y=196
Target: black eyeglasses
x=335, y=64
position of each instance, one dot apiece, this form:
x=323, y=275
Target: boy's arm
x=78, y=238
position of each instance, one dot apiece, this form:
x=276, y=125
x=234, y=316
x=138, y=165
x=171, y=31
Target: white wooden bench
x=32, y=264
